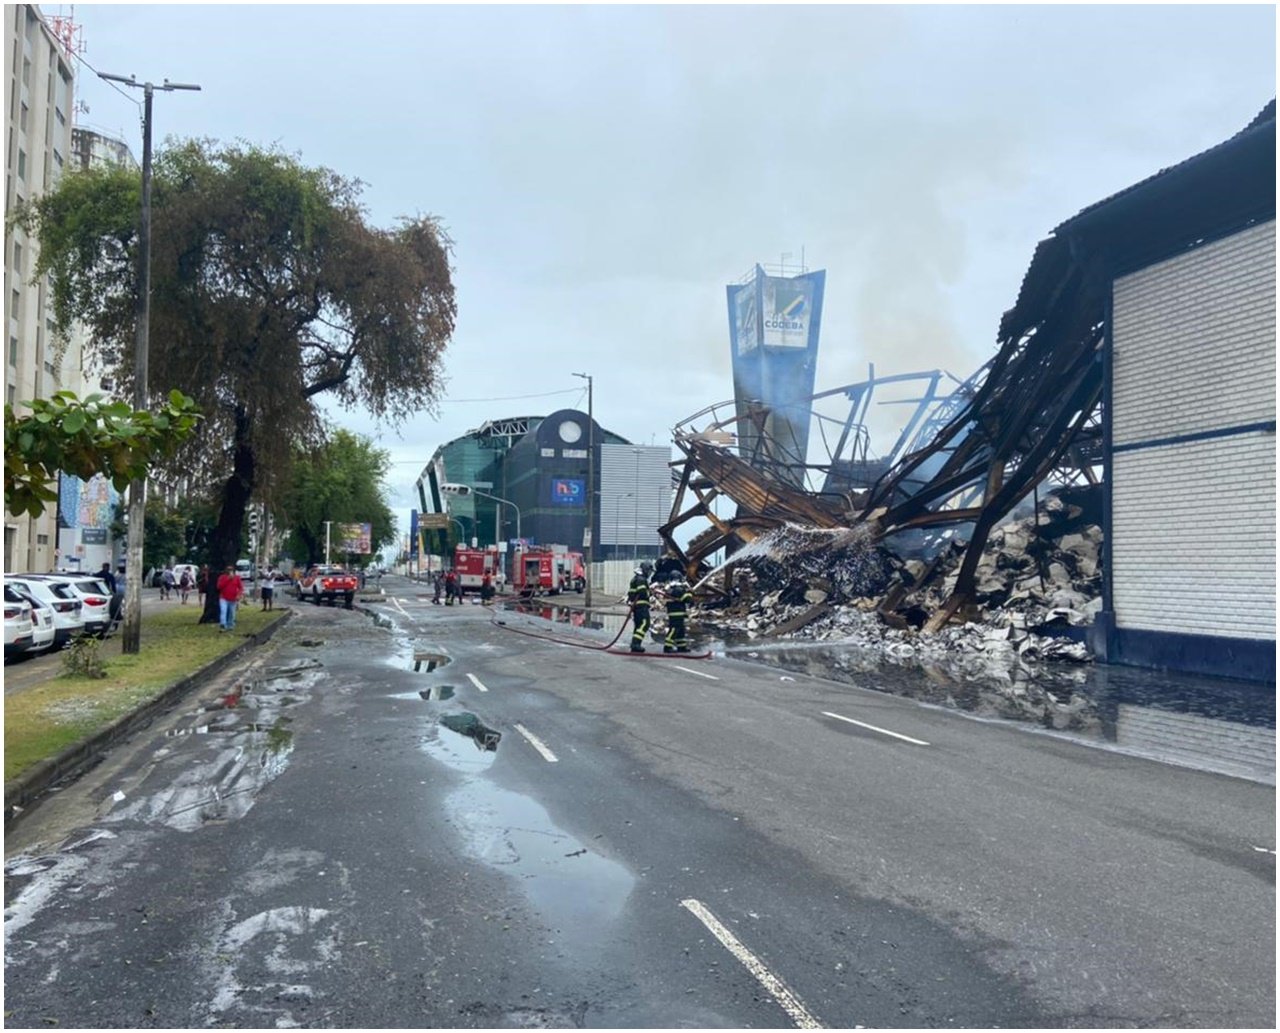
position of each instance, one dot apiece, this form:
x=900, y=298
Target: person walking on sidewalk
x=184, y=585
x=269, y=589
x=230, y=592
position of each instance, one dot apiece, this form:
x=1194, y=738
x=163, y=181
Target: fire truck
x=471, y=565
x=547, y=570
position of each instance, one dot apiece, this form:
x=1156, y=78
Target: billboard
x=568, y=491
x=774, y=322
x=355, y=538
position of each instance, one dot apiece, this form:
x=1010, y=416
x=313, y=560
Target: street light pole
x=591, y=488
x=131, y=632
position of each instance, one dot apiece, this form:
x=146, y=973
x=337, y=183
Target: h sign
x=568, y=491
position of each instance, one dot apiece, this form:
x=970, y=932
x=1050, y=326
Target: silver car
x=67, y=622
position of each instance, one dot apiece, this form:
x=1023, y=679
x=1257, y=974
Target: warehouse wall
x=1193, y=506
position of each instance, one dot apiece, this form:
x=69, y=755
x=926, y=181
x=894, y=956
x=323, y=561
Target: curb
x=27, y=789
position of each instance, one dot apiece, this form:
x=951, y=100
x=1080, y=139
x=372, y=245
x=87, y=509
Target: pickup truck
x=327, y=583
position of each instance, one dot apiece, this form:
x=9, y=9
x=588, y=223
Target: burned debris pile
x=1038, y=580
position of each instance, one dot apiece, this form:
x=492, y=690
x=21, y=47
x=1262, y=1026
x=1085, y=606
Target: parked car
x=67, y=622
x=94, y=598
x=17, y=624
x=42, y=630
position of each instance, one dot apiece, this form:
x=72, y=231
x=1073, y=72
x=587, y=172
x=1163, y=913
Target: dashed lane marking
x=1264, y=850
x=882, y=731
x=776, y=988
x=477, y=683
x=537, y=744
x=690, y=670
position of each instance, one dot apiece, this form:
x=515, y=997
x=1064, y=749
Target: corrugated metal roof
x=1264, y=117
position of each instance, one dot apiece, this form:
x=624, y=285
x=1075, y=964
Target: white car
x=67, y=622
x=17, y=624
x=95, y=599
x=42, y=630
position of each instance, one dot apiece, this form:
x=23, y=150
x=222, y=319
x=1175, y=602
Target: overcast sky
x=604, y=172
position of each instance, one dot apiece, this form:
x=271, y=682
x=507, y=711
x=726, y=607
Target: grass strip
x=42, y=721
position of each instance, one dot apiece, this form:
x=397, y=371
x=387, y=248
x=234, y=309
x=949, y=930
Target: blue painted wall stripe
x=1268, y=426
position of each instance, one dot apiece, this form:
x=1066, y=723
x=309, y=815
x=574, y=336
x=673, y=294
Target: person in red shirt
x=230, y=592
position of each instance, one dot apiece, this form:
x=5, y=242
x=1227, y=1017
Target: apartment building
x=41, y=88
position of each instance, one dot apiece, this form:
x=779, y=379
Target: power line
x=512, y=398
x=129, y=97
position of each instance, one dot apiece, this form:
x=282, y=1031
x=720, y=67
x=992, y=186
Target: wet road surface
x=427, y=820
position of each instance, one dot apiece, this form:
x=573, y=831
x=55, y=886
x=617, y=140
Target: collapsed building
x=1131, y=402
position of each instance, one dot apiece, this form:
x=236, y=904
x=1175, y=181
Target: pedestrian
x=486, y=587
x=638, y=600
x=167, y=583
x=449, y=587
x=679, y=599
x=230, y=592
x=437, y=583
x=184, y=585
x=269, y=589
x=107, y=578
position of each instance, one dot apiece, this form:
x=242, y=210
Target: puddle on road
x=576, y=888
x=426, y=662
x=473, y=728
x=573, y=886
x=1210, y=724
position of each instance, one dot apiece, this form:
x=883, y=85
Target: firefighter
x=679, y=599
x=638, y=599
x=450, y=587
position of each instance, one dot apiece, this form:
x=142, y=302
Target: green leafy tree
x=269, y=288
x=85, y=437
x=342, y=482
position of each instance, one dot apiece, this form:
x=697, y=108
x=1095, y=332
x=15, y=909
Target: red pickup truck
x=324, y=582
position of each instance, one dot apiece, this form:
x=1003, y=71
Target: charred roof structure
x=1038, y=411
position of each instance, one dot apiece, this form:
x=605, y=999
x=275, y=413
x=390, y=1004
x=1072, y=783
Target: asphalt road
x=651, y=843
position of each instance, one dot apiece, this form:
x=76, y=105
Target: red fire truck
x=471, y=565
x=533, y=571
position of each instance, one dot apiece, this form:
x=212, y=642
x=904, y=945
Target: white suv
x=95, y=599
x=67, y=622
x=17, y=623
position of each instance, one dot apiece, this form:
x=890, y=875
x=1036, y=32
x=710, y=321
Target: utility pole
x=131, y=633
x=327, y=524
x=591, y=488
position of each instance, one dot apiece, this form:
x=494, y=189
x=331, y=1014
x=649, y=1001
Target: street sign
x=433, y=521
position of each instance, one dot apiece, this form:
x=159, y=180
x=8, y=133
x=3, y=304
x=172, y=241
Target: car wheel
x=315, y=596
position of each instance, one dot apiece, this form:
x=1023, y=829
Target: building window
x=22, y=164
x=13, y=351
x=22, y=119
x=15, y=304
x=17, y=260
x=13, y=395
x=42, y=539
x=26, y=71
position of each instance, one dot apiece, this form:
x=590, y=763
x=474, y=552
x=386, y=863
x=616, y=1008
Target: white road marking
x=777, y=989
x=477, y=683
x=690, y=670
x=537, y=744
x=399, y=607
x=882, y=731
x=1264, y=850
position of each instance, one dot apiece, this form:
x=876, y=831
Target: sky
x=605, y=171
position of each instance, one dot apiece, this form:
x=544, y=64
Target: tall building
x=539, y=467
x=40, y=85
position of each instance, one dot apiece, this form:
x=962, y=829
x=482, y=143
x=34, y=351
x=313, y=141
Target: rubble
x=1039, y=584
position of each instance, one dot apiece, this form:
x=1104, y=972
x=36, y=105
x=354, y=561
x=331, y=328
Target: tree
x=269, y=288
x=340, y=482
x=85, y=437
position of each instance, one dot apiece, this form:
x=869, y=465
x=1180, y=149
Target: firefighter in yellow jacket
x=638, y=600
x=679, y=599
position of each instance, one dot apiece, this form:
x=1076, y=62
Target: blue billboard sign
x=568, y=491
x=773, y=331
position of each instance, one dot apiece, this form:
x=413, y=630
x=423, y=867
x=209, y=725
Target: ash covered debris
x=1039, y=584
